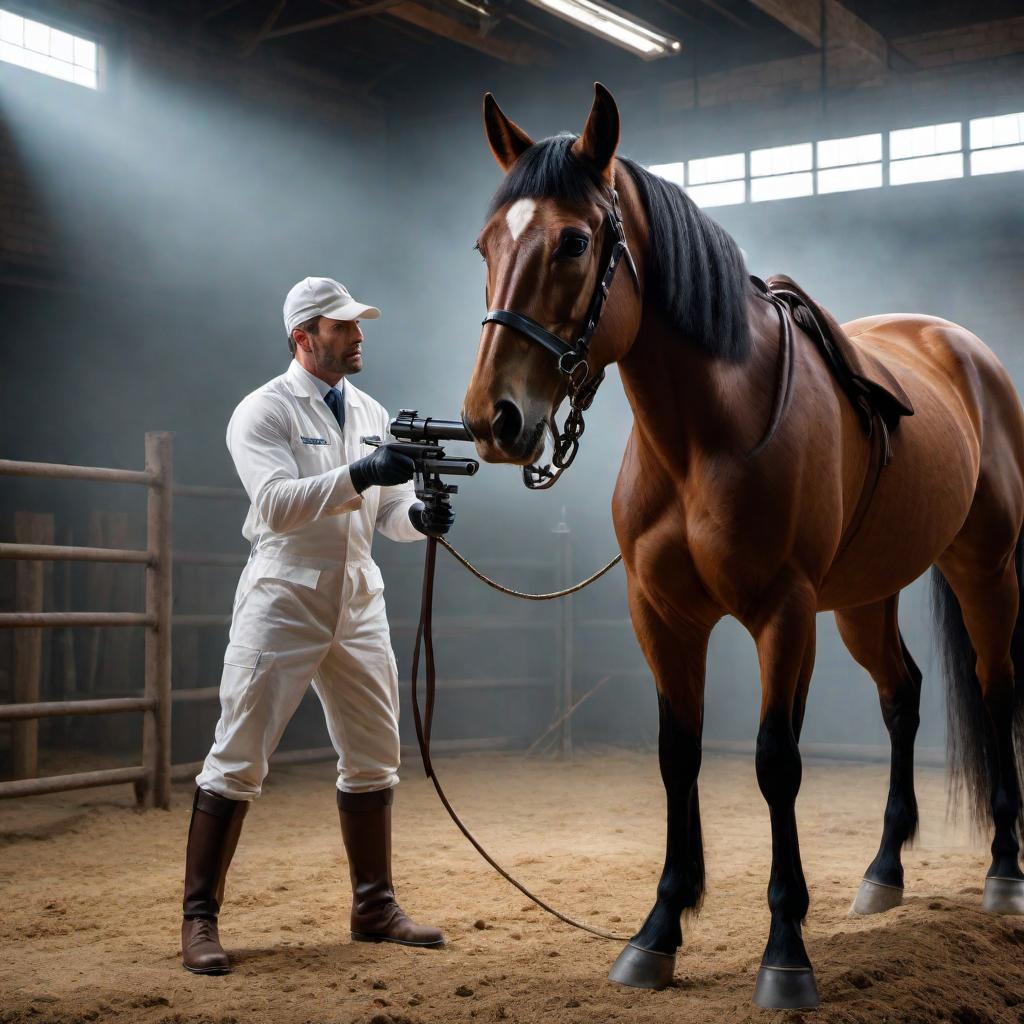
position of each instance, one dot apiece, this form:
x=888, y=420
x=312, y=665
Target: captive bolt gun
x=418, y=437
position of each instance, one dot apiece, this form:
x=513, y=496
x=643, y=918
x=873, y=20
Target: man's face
x=337, y=346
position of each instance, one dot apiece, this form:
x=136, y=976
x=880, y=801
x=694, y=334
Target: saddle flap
x=883, y=389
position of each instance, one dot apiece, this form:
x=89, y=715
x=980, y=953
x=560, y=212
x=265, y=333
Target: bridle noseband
x=573, y=360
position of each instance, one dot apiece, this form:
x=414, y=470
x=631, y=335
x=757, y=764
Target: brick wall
x=26, y=236
x=920, y=63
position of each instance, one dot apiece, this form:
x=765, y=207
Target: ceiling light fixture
x=614, y=25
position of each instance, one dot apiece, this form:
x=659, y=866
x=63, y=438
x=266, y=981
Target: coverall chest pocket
x=316, y=451
x=246, y=670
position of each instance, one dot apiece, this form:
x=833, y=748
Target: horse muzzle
x=507, y=436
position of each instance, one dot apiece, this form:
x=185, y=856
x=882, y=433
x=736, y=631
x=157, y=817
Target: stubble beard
x=330, y=362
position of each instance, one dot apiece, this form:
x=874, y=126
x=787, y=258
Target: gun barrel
x=451, y=467
x=409, y=427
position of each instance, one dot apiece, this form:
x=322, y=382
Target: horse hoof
x=875, y=898
x=786, y=988
x=643, y=968
x=1003, y=896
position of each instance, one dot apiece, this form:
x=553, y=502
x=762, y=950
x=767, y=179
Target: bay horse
x=717, y=515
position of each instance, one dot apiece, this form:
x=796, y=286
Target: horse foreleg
x=677, y=656
x=785, y=645
x=872, y=635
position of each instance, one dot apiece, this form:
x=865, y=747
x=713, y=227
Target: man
x=310, y=607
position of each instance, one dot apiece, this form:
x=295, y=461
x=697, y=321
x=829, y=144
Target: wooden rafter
x=843, y=27
x=440, y=24
x=334, y=19
x=217, y=9
x=264, y=30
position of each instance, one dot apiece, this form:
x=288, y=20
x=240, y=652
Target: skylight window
x=781, y=172
x=929, y=153
x=675, y=173
x=850, y=163
x=717, y=180
x=38, y=47
x=997, y=144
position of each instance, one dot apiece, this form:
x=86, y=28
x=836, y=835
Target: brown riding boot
x=376, y=915
x=212, y=838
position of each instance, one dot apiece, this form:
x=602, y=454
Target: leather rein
x=573, y=359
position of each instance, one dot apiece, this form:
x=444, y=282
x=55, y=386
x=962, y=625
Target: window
x=781, y=172
x=850, y=163
x=670, y=172
x=718, y=180
x=997, y=144
x=930, y=153
x=38, y=47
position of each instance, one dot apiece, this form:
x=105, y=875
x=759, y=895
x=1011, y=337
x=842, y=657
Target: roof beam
x=333, y=19
x=440, y=24
x=843, y=29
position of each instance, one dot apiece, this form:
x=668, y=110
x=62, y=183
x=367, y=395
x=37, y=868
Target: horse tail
x=970, y=754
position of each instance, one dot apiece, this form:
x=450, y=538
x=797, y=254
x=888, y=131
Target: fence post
x=156, y=728
x=30, y=579
x=563, y=689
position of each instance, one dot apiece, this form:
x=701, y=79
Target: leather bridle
x=573, y=360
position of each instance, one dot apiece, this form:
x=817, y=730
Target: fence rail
x=55, y=471
x=24, y=620
x=66, y=553
x=55, y=708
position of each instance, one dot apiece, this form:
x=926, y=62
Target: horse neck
x=687, y=403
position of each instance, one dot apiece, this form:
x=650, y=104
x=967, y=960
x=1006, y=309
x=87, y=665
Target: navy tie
x=337, y=406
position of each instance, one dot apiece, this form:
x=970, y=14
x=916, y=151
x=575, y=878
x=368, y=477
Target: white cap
x=323, y=296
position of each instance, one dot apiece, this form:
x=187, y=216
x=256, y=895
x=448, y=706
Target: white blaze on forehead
x=519, y=215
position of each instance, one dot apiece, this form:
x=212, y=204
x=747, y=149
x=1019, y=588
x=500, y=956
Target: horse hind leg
x=978, y=608
x=872, y=635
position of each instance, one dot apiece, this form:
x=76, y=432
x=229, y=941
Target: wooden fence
x=151, y=778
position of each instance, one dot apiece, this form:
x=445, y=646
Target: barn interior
x=168, y=171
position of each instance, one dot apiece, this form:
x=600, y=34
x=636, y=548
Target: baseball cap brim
x=351, y=310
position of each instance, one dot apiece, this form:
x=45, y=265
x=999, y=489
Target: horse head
x=551, y=232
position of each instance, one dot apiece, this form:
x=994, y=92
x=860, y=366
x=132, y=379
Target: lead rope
x=519, y=593
x=424, y=722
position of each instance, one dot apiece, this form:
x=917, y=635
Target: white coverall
x=309, y=604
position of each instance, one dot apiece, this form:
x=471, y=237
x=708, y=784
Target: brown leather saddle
x=867, y=381
x=875, y=393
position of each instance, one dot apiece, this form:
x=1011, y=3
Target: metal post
x=30, y=577
x=156, y=730
x=564, y=683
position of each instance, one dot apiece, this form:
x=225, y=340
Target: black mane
x=695, y=271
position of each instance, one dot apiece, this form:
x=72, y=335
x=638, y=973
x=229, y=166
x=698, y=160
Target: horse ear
x=507, y=140
x=600, y=136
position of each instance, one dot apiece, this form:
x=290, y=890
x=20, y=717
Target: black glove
x=433, y=521
x=382, y=468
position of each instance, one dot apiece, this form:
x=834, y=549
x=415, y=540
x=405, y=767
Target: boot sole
x=207, y=970
x=360, y=937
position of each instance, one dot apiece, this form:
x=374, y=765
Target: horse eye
x=573, y=246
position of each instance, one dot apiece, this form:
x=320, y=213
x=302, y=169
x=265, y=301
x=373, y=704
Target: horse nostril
x=507, y=424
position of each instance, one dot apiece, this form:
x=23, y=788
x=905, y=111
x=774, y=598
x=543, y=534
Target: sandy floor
x=90, y=895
